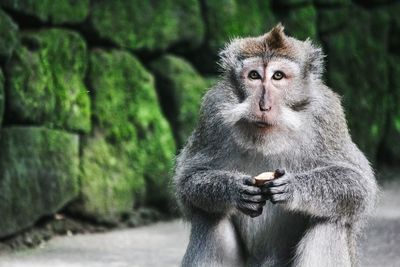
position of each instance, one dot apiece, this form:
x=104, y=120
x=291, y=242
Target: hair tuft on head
x=275, y=38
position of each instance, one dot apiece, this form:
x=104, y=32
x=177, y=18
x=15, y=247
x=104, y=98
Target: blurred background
x=98, y=96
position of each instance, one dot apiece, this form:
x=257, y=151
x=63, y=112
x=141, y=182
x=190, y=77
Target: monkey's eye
x=254, y=75
x=278, y=75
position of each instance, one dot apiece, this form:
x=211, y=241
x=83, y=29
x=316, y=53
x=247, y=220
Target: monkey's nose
x=264, y=107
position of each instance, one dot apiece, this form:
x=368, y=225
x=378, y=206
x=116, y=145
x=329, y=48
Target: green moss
x=357, y=69
x=181, y=88
x=191, y=27
x=159, y=147
x=61, y=11
x=300, y=22
x=112, y=104
x=9, y=35
x=38, y=175
x=46, y=81
x=149, y=25
x=396, y=123
x=126, y=109
x=110, y=187
x=112, y=162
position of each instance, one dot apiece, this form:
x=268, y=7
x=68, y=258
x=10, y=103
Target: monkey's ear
x=275, y=38
x=314, y=58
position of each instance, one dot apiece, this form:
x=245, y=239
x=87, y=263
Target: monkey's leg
x=325, y=244
x=213, y=242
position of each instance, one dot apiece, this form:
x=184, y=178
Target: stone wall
x=97, y=96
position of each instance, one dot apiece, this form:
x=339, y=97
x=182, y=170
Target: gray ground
x=163, y=244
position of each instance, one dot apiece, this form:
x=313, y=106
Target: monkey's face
x=272, y=94
x=269, y=88
x=271, y=82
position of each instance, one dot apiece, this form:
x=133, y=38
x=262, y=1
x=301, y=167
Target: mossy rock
x=9, y=35
x=180, y=88
x=148, y=25
x=1, y=97
x=110, y=185
x=299, y=22
x=112, y=166
x=126, y=109
x=60, y=11
x=357, y=69
x=191, y=26
x=159, y=149
x=46, y=81
x=38, y=175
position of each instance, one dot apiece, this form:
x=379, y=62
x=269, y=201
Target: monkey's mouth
x=263, y=124
x=256, y=125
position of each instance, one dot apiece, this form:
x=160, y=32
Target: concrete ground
x=163, y=244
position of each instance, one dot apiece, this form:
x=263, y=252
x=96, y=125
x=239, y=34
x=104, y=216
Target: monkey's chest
x=249, y=165
x=272, y=235
x=254, y=164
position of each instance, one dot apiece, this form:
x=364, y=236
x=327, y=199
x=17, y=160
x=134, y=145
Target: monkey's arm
x=218, y=191
x=213, y=190
x=335, y=192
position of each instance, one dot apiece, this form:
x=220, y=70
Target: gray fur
x=309, y=217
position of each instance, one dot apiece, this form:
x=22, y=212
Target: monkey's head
x=272, y=82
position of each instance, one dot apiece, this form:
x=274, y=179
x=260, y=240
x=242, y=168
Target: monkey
x=271, y=110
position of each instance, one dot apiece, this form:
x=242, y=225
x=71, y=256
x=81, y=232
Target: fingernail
x=279, y=173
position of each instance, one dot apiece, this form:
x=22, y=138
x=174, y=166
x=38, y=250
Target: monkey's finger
x=250, y=190
x=273, y=188
x=276, y=190
x=276, y=182
x=254, y=198
x=259, y=203
x=279, y=198
x=249, y=181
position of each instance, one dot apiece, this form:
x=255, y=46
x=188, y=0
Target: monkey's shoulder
x=328, y=114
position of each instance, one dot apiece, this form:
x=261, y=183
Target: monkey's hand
x=249, y=198
x=279, y=190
